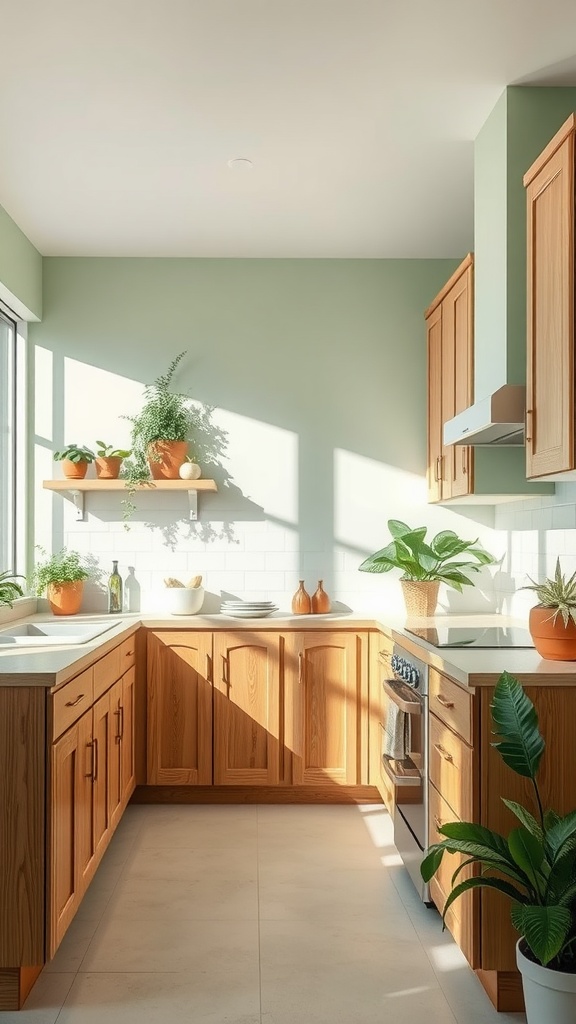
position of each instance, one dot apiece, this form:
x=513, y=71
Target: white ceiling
x=118, y=117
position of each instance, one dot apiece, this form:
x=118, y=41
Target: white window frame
x=14, y=473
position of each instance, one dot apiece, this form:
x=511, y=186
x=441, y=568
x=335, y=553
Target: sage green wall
x=20, y=271
x=331, y=348
x=519, y=127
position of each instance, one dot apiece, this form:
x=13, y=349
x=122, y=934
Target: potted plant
x=534, y=866
x=552, y=622
x=62, y=576
x=9, y=589
x=109, y=460
x=425, y=566
x=160, y=430
x=75, y=459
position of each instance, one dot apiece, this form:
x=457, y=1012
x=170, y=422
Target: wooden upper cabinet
x=550, y=309
x=449, y=326
x=248, y=708
x=179, y=731
x=326, y=683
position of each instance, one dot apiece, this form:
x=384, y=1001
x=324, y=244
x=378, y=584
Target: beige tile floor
x=255, y=915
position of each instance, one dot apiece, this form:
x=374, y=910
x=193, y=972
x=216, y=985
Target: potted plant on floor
x=9, y=589
x=62, y=576
x=75, y=459
x=425, y=566
x=109, y=460
x=552, y=622
x=534, y=866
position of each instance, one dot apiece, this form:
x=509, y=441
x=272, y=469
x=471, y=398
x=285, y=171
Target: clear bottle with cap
x=131, y=591
x=115, y=590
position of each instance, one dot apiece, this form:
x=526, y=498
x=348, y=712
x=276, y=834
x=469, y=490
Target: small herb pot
x=108, y=468
x=74, y=470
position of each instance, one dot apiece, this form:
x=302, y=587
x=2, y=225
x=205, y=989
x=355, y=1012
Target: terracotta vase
x=301, y=603
x=65, y=598
x=108, y=468
x=420, y=597
x=74, y=470
x=165, y=459
x=320, y=600
x=552, y=640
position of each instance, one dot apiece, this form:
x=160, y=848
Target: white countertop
x=51, y=665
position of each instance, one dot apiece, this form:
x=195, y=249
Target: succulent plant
x=557, y=593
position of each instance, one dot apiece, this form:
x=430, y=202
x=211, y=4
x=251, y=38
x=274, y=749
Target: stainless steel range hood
x=496, y=420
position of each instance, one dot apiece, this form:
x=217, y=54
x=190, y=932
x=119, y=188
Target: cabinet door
x=70, y=825
x=457, y=380
x=179, y=731
x=550, y=327
x=106, y=770
x=327, y=675
x=434, y=471
x=127, y=743
x=248, y=721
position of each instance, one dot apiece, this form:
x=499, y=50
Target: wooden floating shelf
x=78, y=488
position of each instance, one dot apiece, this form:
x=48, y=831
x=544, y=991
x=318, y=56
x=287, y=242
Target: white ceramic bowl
x=184, y=600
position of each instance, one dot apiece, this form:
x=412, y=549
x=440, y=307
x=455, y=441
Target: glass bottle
x=301, y=604
x=115, y=590
x=320, y=600
x=131, y=592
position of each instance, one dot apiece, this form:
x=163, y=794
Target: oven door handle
x=403, y=696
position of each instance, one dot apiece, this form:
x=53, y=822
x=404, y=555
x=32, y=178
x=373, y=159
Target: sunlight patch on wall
x=265, y=463
x=95, y=402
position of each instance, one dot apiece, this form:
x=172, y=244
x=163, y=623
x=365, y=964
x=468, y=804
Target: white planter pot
x=550, y=996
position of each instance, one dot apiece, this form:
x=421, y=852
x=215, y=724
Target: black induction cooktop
x=475, y=636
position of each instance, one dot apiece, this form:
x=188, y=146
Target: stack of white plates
x=248, y=609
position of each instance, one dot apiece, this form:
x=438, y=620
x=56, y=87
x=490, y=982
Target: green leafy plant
x=75, y=453
x=107, y=451
x=558, y=594
x=9, y=589
x=535, y=866
x=63, y=567
x=438, y=560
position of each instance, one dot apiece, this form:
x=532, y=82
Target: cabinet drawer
x=127, y=654
x=71, y=701
x=451, y=768
x=462, y=916
x=451, y=703
x=106, y=672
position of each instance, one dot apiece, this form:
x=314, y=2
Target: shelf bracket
x=193, y=502
x=78, y=499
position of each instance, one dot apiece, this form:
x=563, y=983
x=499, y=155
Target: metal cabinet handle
x=95, y=774
x=441, y=463
x=208, y=668
x=464, y=460
x=225, y=678
x=73, y=703
x=437, y=469
x=129, y=654
x=90, y=774
x=443, y=752
x=528, y=434
x=448, y=704
x=120, y=713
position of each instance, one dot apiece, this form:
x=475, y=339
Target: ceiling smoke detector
x=240, y=163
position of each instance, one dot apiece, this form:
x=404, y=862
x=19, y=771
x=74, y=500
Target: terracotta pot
x=552, y=640
x=171, y=455
x=65, y=598
x=108, y=468
x=420, y=596
x=74, y=470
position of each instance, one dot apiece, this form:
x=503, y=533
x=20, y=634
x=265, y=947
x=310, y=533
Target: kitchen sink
x=42, y=633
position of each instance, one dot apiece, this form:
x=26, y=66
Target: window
x=8, y=539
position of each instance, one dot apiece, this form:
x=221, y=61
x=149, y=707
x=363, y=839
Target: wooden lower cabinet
x=70, y=844
x=179, y=731
x=327, y=699
x=248, y=708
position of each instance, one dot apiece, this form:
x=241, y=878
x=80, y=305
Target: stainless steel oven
x=404, y=731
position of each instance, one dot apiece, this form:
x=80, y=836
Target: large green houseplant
x=534, y=866
x=9, y=589
x=424, y=566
